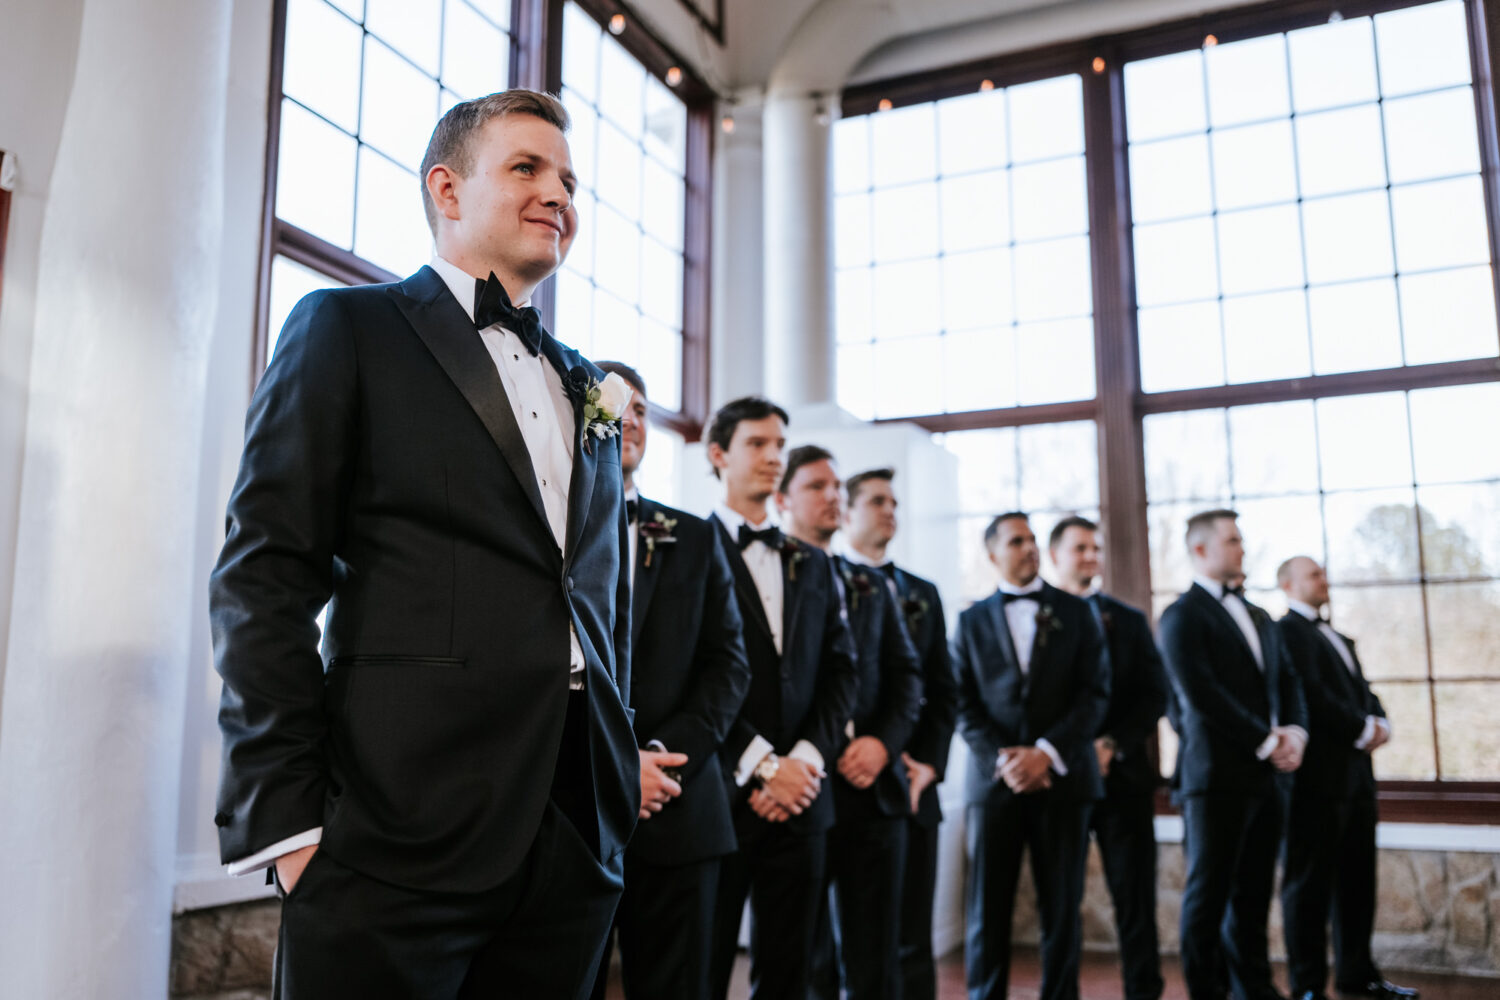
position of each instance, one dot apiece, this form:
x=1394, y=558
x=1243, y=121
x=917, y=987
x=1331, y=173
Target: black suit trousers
x=1330, y=866
x=665, y=929
x=780, y=869
x=1232, y=842
x=858, y=936
x=918, y=885
x=1056, y=833
x=539, y=933
x=1124, y=827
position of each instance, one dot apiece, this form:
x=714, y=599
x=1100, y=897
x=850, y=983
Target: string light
x=1098, y=64
x=1209, y=41
x=674, y=76
x=885, y=104
x=727, y=124
x=985, y=86
x=617, y=24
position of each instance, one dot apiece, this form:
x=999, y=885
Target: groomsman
x=790, y=728
x=1241, y=720
x=691, y=675
x=869, y=526
x=1032, y=689
x=1330, y=830
x=1123, y=822
x=871, y=798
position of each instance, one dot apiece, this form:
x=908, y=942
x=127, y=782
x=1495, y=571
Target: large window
x=358, y=87
x=962, y=253
x=1287, y=232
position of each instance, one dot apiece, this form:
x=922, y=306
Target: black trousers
x=665, y=928
x=1232, y=842
x=1124, y=827
x=781, y=872
x=858, y=935
x=1056, y=833
x=540, y=933
x=1330, y=868
x=918, y=885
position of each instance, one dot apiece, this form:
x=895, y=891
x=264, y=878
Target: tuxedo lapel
x=645, y=576
x=791, y=591
x=445, y=329
x=585, y=451
x=744, y=584
x=1227, y=619
x=1006, y=641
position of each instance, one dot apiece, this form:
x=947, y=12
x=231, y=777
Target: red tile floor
x=1101, y=980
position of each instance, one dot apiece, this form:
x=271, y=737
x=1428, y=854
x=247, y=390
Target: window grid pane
x=1313, y=166
x=963, y=275
x=363, y=87
x=630, y=272
x=1396, y=501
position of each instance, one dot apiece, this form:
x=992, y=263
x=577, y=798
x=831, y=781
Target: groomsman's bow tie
x=1008, y=598
x=771, y=537
x=632, y=508
x=888, y=568
x=492, y=305
x=1236, y=591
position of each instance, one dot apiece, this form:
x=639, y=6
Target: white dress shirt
x=545, y=416
x=764, y=564
x=1020, y=616
x=1240, y=612
x=1372, y=722
x=634, y=533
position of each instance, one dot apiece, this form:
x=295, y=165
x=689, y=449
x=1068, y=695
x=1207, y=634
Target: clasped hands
x=657, y=787
x=1287, y=755
x=1024, y=769
x=789, y=792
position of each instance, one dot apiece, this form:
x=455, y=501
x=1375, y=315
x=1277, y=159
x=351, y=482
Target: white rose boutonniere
x=603, y=402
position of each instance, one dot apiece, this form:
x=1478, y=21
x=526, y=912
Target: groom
x=445, y=791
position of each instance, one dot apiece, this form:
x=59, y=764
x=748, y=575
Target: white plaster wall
x=38, y=50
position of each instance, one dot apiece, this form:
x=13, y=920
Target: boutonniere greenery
x=657, y=531
x=603, y=402
x=1108, y=620
x=915, y=610
x=1047, y=622
x=858, y=585
x=795, y=554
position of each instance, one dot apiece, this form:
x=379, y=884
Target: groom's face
x=516, y=205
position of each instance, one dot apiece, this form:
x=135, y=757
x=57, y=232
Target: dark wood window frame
x=1119, y=405
x=536, y=62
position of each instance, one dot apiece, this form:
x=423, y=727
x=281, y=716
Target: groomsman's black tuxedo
x=1226, y=706
x=929, y=744
x=867, y=844
x=1061, y=698
x=1330, y=830
x=435, y=740
x=1124, y=820
x=805, y=692
x=689, y=678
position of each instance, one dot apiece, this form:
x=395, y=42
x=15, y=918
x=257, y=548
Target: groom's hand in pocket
x=289, y=866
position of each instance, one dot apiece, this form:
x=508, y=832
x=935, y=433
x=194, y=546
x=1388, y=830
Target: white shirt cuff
x=753, y=755
x=1367, y=734
x=1046, y=747
x=809, y=755
x=1385, y=726
x=1268, y=747
x=265, y=858
x=1300, y=734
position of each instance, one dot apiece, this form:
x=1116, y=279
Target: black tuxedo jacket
x=930, y=741
x=1137, y=695
x=889, y=691
x=385, y=474
x=1061, y=698
x=1225, y=704
x=1337, y=703
x=807, y=691
x=688, y=679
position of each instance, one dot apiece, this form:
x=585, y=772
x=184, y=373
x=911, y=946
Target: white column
x=799, y=333
x=737, y=358
x=98, y=649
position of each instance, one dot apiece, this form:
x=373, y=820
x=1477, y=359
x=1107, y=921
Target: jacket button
x=221, y=819
x=570, y=584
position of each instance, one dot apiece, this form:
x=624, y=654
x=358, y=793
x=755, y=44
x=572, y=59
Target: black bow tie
x=632, y=508
x=770, y=537
x=492, y=305
x=1235, y=591
x=888, y=568
x=1006, y=598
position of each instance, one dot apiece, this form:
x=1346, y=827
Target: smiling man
x=445, y=792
